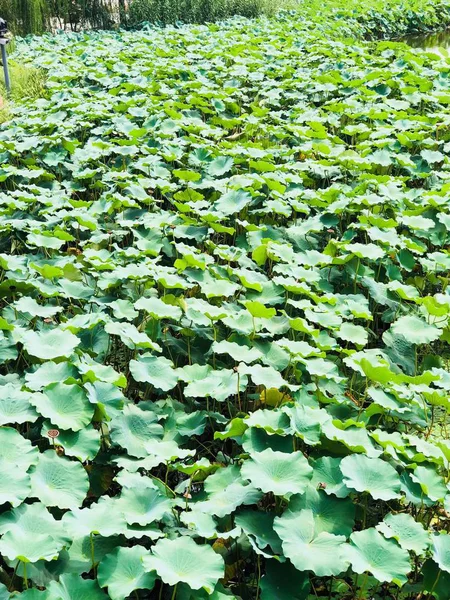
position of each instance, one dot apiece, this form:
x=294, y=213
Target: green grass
x=27, y=83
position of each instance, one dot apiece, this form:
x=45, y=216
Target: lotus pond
x=224, y=268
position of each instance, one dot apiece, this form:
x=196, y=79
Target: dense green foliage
x=37, y=16
x=224, y=267
x=191, y=11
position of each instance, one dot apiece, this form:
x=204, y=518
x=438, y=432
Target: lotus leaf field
x=224, y=269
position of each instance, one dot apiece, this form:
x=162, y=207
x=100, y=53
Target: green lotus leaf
x=431, y=483
x=415, y=330
x=266, y=376
x=87, y=550
x=143, y=506
x=30, y=533
x=123, y=309
x=372, y=475
x=221, y=502
x=93, y=371
x=46, y=345
x=123, y=571
x=278, y=472
x=15, y=450
x=220, y=385
x=72, y=587
x=259, y=525
x=158, y=309
x=132, y=428
x=182, y=560
x=65, y=405
x=324, y=509
x=323, y=553
x=441, y=550
x=14, y=484
x=327, y=475
x=156, y=370
x=58, y=481
x=232, y=202
x=103, y=518
x=220, y=165
x=353, y=333
x=406, y=531
x=370, y=551
x=131, y=336
x=435, y=580
x=284, y=582
x=237, y=352
x=307, y=422
x=30, y=306
x=51, y=372
x=17, y=406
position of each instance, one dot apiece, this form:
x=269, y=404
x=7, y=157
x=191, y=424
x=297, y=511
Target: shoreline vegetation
x=225, y=312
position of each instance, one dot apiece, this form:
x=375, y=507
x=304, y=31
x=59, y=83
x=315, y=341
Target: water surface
x=430, y=41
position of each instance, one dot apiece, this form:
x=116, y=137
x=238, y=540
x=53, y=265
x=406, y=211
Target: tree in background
x=37, y=16
x=25, y=16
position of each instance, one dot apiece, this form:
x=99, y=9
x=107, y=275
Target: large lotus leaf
x=307, y=422
x=88, y=549
x=17, y=406
x=123, y=571
x=415, y=330
x=182, y=560
x=29, y=305
x=238, y=352
x=158, y=309
x=327, y=475
x=130, y=335
x=259, y=525
x=435, y=580
x=431, y=483
x=223, y=502
x=14, y=484
x=83, y=444
x=65, y=405
x=103, y=517
x=225, y=492
x=108, y=398
x=50, y=344
x=261, y=375
x=72, y=587
x=232, y=202
x=219, y=384
x=284, y=582
x=15, y=450
x=133, y=428
x=325, y=508
x=58, y=481
x=51, y=372
x=30, y=533
x=156, y=370
x=354, y=437
x=441, y=551
x=4, y=593
x=372, y=475
x=278, y=472
x=143, y=505
x=406, y=530
x=322, y=553
x=370, y=551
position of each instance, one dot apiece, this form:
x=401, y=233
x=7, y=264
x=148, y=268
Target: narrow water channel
x=430, y=41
